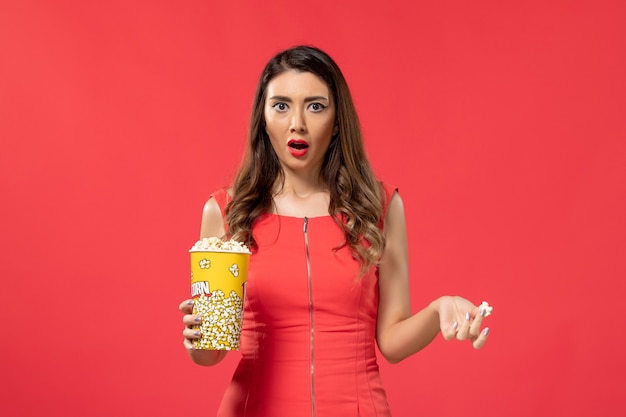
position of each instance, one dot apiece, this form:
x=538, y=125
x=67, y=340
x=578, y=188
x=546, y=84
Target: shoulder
x=393, y=208
x=389, y=191
x=213, y=213
x=389, y=194
x=220, y=197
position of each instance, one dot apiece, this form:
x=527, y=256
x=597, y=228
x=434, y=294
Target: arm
x=212, y=225
x=399, y=333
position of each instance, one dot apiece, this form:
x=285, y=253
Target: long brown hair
x=356, y=197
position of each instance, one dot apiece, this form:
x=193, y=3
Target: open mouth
x=298, y=147
x=298, y=144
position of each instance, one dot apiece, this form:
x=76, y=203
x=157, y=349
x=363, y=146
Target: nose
x=297, y=122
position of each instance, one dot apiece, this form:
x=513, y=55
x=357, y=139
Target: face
x=300, y=120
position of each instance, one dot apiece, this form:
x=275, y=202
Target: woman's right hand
x=199, y=356
x=189, y=320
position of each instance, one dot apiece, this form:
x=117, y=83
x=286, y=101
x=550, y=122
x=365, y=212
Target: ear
x=336, y=130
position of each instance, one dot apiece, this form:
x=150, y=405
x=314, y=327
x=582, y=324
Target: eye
x=280, y=107
x=316, y=107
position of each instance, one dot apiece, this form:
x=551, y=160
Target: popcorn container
x=218, y=278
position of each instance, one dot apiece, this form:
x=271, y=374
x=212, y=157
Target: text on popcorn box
x=200, y=287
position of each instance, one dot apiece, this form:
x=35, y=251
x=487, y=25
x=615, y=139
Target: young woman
x=328, y=277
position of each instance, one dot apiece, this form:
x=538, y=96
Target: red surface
x=501, y=122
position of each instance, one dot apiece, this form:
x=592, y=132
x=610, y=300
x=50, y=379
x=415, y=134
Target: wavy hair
x=356, y=197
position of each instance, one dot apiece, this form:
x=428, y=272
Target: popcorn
x=486, y=307
x=217, y=244
x=221, y=320
x=218, y=275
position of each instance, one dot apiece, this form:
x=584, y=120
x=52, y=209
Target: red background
x=501, y=122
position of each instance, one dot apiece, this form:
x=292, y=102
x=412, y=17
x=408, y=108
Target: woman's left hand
x=460, y=319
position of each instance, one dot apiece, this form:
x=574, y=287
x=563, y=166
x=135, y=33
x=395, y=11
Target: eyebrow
x=306, y=100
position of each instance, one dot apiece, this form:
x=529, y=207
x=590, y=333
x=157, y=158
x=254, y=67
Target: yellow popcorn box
x=218, y=278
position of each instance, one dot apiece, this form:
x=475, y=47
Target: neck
x=300, y=186
x=301, y=198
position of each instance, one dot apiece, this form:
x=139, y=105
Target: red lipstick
x=298, y=147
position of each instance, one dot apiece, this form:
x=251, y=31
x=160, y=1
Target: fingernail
x=198, y=319
x=486, y=331
x=196, y=333
x=467, y=316
x=190, y=302
x=482, y=312
x=455, y=325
